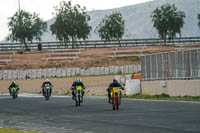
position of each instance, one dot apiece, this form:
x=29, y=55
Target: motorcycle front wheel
x=79, y=100
x=47, y=97
x=113, y=107
x=76, y=100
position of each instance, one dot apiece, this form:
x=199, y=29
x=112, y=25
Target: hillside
x=138, y=22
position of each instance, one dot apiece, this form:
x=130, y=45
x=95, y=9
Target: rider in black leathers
x=115, y=83
x=13, y=85
x=78, y=82
x=46, y=83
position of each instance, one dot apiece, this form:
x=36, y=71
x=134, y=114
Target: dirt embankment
x=89, y=57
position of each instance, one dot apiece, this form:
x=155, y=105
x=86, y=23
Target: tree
x=111, y=27
x=198, y=16
x=71, y=23
x=25, y=27
x=168, y=21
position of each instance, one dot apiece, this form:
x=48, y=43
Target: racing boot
x=50, y=92
x=10, y=92
x=109, y=100
x=82, y=96
x=73, y=97
x=43, y=92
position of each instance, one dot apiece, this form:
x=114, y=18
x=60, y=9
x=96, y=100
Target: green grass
x=12, y=130
x=164, y=97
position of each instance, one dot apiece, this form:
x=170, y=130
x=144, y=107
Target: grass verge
x=12, y=130
x=164, y=97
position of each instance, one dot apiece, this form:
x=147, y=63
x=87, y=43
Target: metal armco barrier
x=99, y=43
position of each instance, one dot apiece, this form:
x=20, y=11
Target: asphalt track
x=95, y=115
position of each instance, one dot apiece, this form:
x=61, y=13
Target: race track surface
x=95, y=115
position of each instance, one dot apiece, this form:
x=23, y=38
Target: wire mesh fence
x=171, y=65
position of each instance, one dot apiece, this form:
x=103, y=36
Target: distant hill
x=138, y=22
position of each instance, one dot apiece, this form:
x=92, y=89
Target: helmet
x=46, y=80
x=78, y=80
x=114, y=80
x=13, y=82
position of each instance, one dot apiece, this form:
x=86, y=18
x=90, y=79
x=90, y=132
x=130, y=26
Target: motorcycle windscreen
x=13, y=89
x=116, y=89
x=47, y=87
x=78, y=88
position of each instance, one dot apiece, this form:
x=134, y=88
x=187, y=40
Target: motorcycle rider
x=78, y=82
x=115, y=83
x=13, y=85
x=46, y=83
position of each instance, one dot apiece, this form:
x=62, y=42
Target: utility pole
x=19, y=4
x=20, y=21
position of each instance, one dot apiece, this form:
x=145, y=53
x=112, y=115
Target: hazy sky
x=45, y=8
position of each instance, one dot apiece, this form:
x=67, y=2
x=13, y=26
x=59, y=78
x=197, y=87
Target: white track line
x=101, y=97
x=161, y=100
x=31, y=95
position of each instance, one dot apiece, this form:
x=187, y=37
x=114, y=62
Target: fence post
x=106, y=70
x=77, y=71
x=183, y=61
x=156, y=66
x=63, y=72
x=190, y=65
x=126, y=69
x=73, y=71
x=82, y=72
x=1, y=75
x=145, y=68
x=97, y=71
x=87, y=72
x=198, y=64
x=175, y=64
x=162, y=57
x=151, y=68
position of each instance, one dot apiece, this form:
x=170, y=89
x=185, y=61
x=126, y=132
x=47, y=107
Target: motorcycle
x=116, y=98
x=47, y=92
x=14, y=92
x=78, y=95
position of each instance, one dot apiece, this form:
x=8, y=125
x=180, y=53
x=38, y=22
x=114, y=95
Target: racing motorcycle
x=47, y=92
x=78, y=95
x=115, y=97
x=14, y=92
